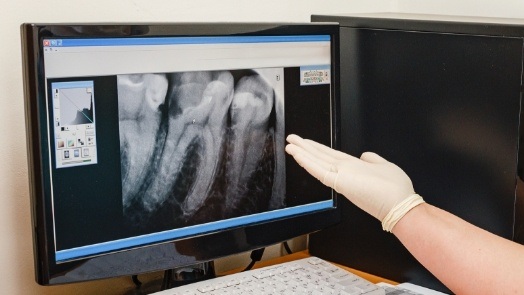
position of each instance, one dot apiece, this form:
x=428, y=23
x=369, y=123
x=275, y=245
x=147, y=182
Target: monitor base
x=177, y=277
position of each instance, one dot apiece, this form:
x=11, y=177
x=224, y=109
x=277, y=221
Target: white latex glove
x=373, y=184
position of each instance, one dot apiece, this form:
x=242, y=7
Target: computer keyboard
x=310, y=275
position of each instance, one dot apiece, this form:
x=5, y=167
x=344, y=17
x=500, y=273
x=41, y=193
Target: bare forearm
x=464, y=257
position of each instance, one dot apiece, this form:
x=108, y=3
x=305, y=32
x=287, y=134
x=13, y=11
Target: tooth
x=139, y=101
x=252, y=145
x=215, y=103
x=198, y=107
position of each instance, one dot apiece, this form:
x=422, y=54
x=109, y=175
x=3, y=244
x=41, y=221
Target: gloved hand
x=373, y=184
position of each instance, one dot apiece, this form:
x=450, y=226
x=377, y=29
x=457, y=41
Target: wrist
x=400, y=210
x=412, y=217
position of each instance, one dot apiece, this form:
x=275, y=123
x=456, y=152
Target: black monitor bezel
x=204, y=247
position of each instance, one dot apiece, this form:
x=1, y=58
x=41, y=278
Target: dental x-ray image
x=201, y=146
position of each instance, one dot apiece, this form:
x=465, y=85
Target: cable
x=256, y=255
x=136, y=281
x=288, y=249
x=166, y=282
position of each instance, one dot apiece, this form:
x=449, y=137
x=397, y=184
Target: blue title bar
x=182, y=40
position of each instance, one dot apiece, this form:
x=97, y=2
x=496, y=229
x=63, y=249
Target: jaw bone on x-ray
x=201, y=146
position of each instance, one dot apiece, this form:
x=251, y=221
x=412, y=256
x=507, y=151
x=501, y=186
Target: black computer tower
x=440, y=96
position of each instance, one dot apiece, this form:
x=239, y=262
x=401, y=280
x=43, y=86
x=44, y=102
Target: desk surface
x=303, y=254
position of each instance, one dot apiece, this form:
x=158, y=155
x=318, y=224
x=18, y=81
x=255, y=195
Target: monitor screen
x=169, y=138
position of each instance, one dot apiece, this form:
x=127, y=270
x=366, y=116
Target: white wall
x=16, y=257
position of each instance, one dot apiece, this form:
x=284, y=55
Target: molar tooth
x=250, y=135
x=195, y=137
x=139, y=116
x=220, y=94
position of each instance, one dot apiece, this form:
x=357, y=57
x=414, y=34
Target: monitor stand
x=176, y=277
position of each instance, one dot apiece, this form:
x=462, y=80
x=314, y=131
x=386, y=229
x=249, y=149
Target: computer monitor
x=157, y=146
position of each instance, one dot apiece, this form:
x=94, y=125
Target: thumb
x=372, y=158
